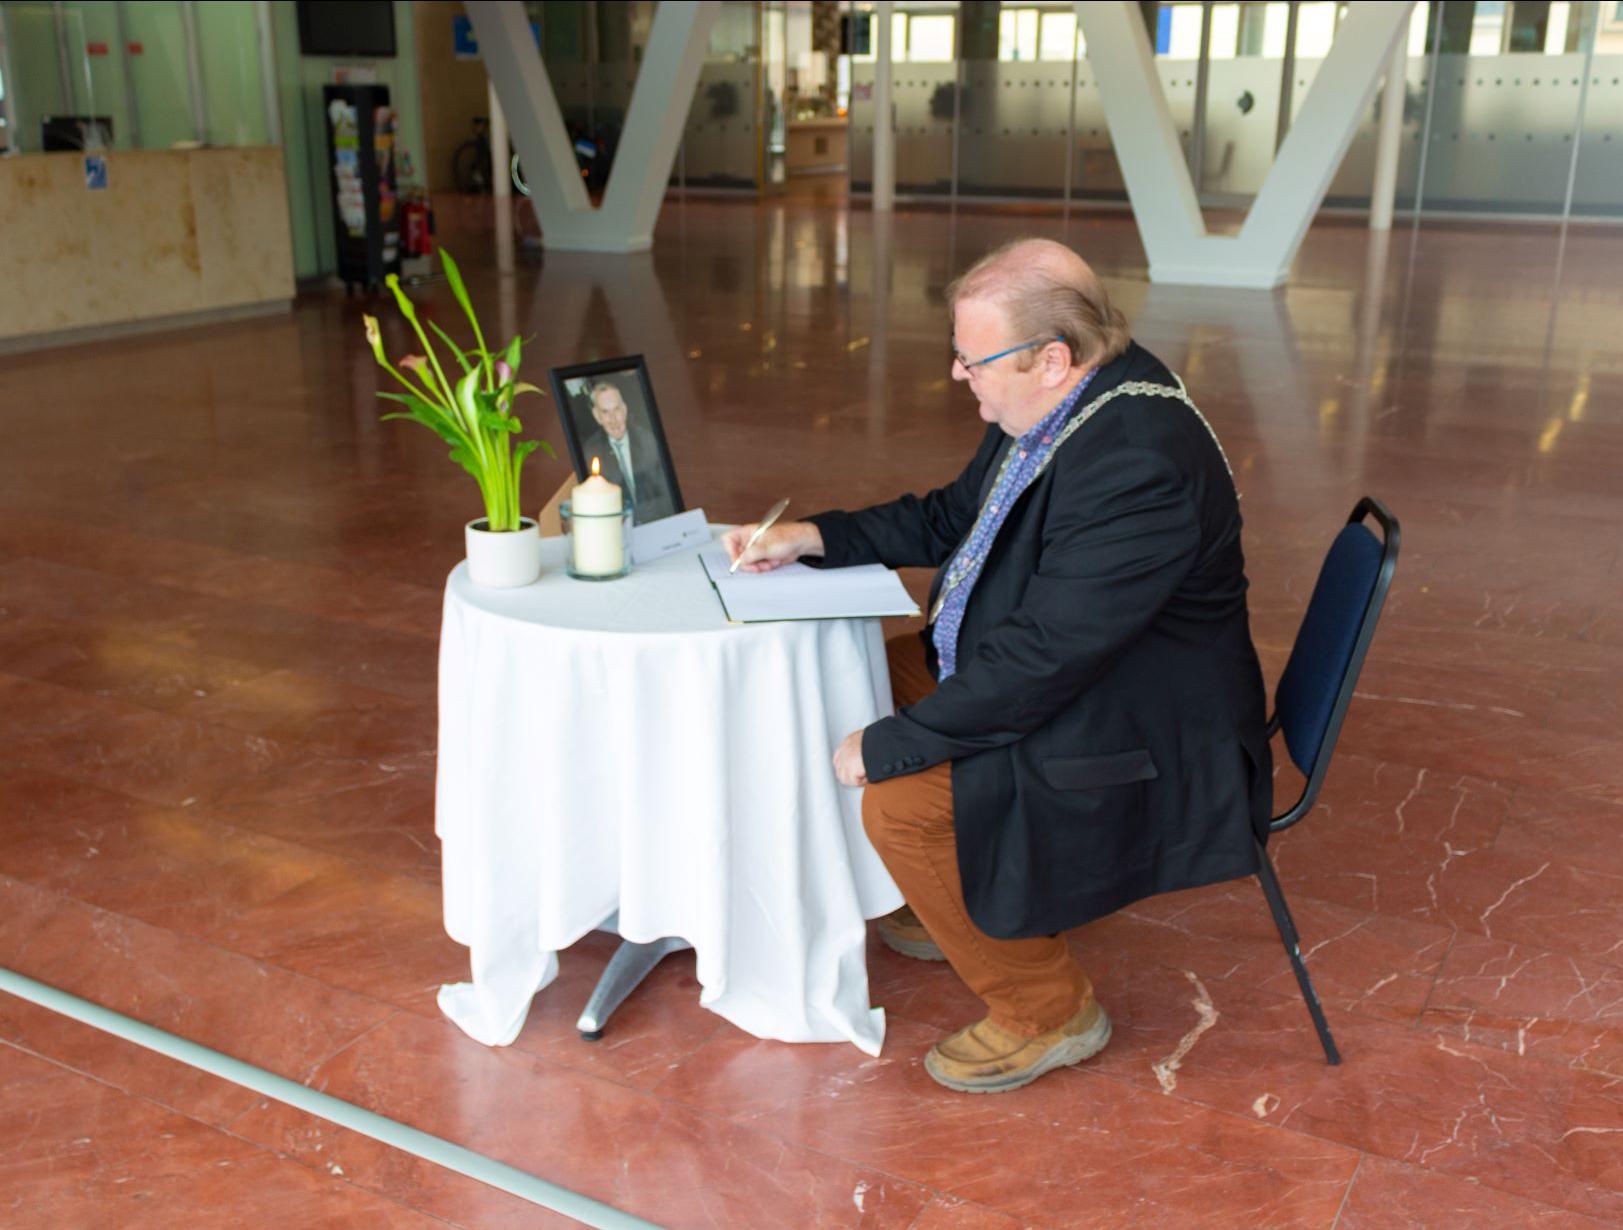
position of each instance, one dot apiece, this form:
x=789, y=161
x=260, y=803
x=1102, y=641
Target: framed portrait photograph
x=609, y=413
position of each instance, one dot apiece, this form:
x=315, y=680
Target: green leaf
x=520, y=451
x=468, y=462
x=461, y=358
x=411, y=399
x=430, y=413
x=453, y=275
x=438, y=426
x=492, y=421
x=511, y=355
x=521, y=387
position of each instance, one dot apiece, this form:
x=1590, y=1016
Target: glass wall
x=1015, y=101
x=228, y=57
x=998, y=101
x=1600, y=161
x=5, y=103
x=1510, y=102
x=592, y=52
x=150, y=75
x=95, y=83
x=161, y=73
x=924, y=94
x=722, y=142
x=34, y=85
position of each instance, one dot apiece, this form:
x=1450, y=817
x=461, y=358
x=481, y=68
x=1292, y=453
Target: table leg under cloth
x=629, y=965
x=824, y=975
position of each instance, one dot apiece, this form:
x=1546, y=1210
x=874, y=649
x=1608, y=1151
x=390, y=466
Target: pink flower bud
x=503, y=372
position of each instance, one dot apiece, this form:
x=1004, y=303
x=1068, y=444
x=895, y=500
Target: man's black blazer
x=1106, y=721
x=653, y=498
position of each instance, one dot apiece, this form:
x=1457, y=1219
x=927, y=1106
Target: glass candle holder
x=597, y=546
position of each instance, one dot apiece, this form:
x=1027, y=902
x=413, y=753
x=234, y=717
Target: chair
x=1316, y=688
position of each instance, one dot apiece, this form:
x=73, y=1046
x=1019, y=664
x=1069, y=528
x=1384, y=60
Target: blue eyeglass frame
x=969, y=367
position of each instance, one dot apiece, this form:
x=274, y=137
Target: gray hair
x=1051, y=295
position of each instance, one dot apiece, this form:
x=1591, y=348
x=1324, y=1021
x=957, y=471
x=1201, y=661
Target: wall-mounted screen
x=346, y=28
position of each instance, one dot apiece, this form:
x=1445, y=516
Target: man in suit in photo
x=624, y=443
x=1082, y=723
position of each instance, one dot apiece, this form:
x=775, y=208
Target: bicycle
x=472, y=172
x=470, y=163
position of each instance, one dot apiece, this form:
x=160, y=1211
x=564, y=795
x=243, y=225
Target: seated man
x=1082, y=722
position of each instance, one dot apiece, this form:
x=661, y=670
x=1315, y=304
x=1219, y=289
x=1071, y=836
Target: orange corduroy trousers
x=1030, y=985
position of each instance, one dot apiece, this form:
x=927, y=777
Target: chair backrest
x=1317, y=686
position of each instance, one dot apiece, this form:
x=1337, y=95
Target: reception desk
x=175, y=237
x=814, y=147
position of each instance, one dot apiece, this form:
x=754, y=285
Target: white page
x=798, y=592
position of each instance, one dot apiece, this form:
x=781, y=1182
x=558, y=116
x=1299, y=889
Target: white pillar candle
x=596, y=525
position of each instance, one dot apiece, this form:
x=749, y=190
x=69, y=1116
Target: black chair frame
x=1390, y=530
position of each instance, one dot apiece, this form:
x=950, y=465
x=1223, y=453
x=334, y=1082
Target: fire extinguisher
x=418, y=224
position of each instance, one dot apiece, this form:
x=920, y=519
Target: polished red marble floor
x=219, y=597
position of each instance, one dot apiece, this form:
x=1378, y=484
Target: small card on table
x=668, y=535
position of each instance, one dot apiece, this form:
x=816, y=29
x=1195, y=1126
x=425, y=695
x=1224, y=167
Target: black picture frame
x=653, y=490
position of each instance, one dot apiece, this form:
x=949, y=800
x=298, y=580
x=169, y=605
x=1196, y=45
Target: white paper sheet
x=798, y=592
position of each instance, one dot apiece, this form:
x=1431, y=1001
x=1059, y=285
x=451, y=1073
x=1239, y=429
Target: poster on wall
x=465, y=45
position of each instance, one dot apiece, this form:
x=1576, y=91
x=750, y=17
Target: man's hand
x=848, y=766
x=783, y=544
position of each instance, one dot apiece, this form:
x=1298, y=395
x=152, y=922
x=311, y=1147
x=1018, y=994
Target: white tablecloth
x=619, y=746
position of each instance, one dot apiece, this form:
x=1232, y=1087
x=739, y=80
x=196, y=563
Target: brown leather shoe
x=902, y=930
x=986, y=1058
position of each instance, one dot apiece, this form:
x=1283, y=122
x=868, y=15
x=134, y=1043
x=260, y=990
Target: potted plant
x=471, y=409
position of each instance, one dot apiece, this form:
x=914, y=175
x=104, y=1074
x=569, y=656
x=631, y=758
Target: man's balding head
x=993, y=273
x=1047, y=291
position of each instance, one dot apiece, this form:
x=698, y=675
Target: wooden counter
x=177, y=235
x=814, y=147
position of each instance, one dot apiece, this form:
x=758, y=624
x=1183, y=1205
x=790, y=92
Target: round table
x=619, y=747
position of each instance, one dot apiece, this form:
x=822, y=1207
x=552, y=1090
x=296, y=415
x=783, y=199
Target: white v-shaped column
x=1152, y=161
x=653, y=129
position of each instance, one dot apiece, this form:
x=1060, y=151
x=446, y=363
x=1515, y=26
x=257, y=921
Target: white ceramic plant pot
x=505, y=560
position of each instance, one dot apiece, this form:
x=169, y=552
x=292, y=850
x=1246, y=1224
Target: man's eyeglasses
x=970, y=365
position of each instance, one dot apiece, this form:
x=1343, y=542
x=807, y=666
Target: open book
x=798, y=592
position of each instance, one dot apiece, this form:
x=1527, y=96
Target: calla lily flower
x=415, y=363
x=407, y=308
x=503, y=372
x=374, y=337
